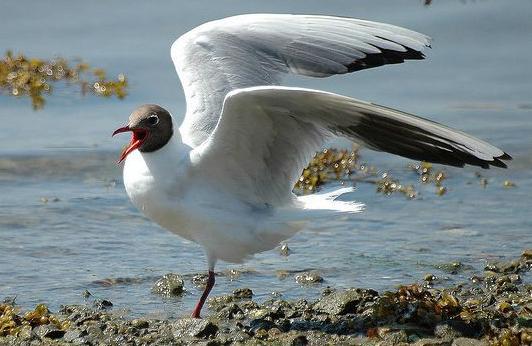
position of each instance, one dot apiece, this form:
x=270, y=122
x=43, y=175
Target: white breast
x=156, y=184
x=165, y=186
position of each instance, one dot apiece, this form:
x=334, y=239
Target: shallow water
x=66, y=223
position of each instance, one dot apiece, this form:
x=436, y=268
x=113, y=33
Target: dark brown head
x=152, y=129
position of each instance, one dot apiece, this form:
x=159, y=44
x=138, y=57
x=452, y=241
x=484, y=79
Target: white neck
x=167, y=161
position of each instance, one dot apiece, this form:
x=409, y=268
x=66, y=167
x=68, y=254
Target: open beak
x=139, y=136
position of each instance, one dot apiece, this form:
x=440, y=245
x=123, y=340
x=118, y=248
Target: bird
x=223, y=178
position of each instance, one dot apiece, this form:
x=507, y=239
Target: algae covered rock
x=169, y=285
x=243, y=293
x=309, y=278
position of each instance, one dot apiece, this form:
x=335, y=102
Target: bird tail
x=327, y=202
x=290, y=220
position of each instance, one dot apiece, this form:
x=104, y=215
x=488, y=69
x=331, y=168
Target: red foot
x=210, y=283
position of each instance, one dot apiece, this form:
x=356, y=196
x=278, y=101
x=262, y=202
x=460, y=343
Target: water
x=66, y=223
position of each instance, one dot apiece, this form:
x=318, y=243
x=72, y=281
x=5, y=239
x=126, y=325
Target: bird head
x=151, y=128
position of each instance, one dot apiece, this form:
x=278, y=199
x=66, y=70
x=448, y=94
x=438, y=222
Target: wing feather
x=257, y=49
x=266, y=135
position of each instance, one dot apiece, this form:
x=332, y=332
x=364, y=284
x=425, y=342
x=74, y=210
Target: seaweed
x=22, y=76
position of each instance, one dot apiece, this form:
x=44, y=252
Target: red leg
x=208, y=288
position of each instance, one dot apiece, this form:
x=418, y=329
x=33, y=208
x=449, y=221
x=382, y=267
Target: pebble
x=284, y=250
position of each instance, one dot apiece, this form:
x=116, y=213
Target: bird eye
x=153, y=120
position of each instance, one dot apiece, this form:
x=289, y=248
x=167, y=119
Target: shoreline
x=494, y=307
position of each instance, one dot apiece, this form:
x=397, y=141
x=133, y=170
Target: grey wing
x=266, y=135
x=257, y=49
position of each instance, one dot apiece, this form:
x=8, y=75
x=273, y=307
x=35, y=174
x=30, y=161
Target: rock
x=524, y=318
x=469, y=342
x=503, y=267
x=344, y=302
x=430, y=278
x=432, y=342
x=284, y=250
x=282, y=274
x=25, y=332
x=452, y=267
x=306, y=278
x=446, y=331
x=514, y=278
x=138, y=323
x=73, y=335
x=327, y=290
x=243, y=293
x=298, y=340
x=200, y=280
x=259, y=313
x=9, y=300
x=231, y=311
x=48, y=331
x=280, y=308
x=169, y=285
x=219, y=302
x=395, y=337
x=102, y=304
x=193, y=327
x=259, y=324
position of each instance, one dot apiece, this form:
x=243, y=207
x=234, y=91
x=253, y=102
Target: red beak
x=139, y=136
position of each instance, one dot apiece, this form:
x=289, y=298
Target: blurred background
x=66, y=224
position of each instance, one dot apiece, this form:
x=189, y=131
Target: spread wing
x=257, y=49
x=266, y=135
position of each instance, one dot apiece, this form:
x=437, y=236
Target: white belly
x=226, y=228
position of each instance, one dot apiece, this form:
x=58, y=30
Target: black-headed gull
x=224, y=178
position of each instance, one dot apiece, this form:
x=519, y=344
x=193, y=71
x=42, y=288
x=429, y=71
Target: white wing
x=256, y=49
x=266, y=135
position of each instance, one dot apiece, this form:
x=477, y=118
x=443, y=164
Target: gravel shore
x=492, y=308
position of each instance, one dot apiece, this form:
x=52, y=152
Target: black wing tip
x=497, y=161
x=385, y=57
x=505, y=156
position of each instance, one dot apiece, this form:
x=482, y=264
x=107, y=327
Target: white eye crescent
x=153, y=120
